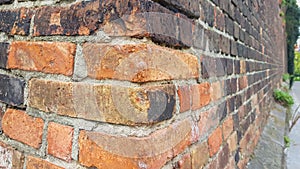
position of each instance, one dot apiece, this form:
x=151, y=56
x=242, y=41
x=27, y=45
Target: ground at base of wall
x=269, y=152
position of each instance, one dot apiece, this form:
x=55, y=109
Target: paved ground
x=293, y=153
x=269, y=153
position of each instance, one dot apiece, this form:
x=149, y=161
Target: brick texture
x=200, y=155
x=154, y=151
x=215, y=141
x=138, y=63
x=106, y=103
x=15, y=22
x=60, y=140
x=47, y=57
x=11, y=90
x=3, y=54
x=37, y=163
x=32, y=128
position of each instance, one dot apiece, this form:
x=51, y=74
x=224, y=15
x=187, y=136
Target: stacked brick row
x=136, y=83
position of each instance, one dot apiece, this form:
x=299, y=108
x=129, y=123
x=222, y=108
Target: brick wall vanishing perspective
x=146, y=84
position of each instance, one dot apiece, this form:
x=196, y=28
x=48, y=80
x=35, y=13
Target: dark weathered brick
x=3, y=54
x=15, y=21
x=6, y=1
x=187, y=7
x=223, y=156
x=229, y=25
x=225, y=45
x=237, y=66
x=219, y=20
x=222, y=110
x=233, y=48
x=11, y=90
x=208, y=67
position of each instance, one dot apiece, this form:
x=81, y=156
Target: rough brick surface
x=153, y=151
x=10, y=158
x=106, y=103
x=200, y=155
x=11, y=90
x=47, y=57
x=184, y=94
x=60, y=140
x=15, y=21
x=200, y=95
x=37, y=163
x=138, y=63
x=3, y=54
x=215, y=141
x=18, y=125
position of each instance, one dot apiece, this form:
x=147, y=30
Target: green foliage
x=285, y=77
x=283, y=3
x=283, y=97
x=287, y=141
x=292, y=17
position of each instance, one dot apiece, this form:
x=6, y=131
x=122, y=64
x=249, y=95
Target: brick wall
x=136, y=83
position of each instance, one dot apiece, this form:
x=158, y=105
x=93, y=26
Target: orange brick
x=37, y=163
x=47, y=57
x=243, y=66
x=227, y=127
x=215, y=141
x=200, y=155
x=138, y=62
x=153, y=151
x=19, y=126
x=200, y=95
x=216, y=91
x=184, y=94
x=60, y=140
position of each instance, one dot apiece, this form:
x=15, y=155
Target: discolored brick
x=200, y=155
x=138, y=63
x=15, y=22
x=105, y=103
x=11, y=90
x=3, y=54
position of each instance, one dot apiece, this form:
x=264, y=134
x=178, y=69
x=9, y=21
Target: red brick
x=138, y=63
x=208, y=121
x=37, y=163
x=185, y=162
x=215, y=141
x=19, y=126
x=227, y=127
x=106, y=103
x=213, y=164
x=153, y=151
x=184, y=94
x=200, y=155
x=60, y=141
x=47, y=57
x=200, y=95
x=243, y=82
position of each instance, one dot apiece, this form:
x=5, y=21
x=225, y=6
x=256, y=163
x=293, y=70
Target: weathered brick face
x=143, y=84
